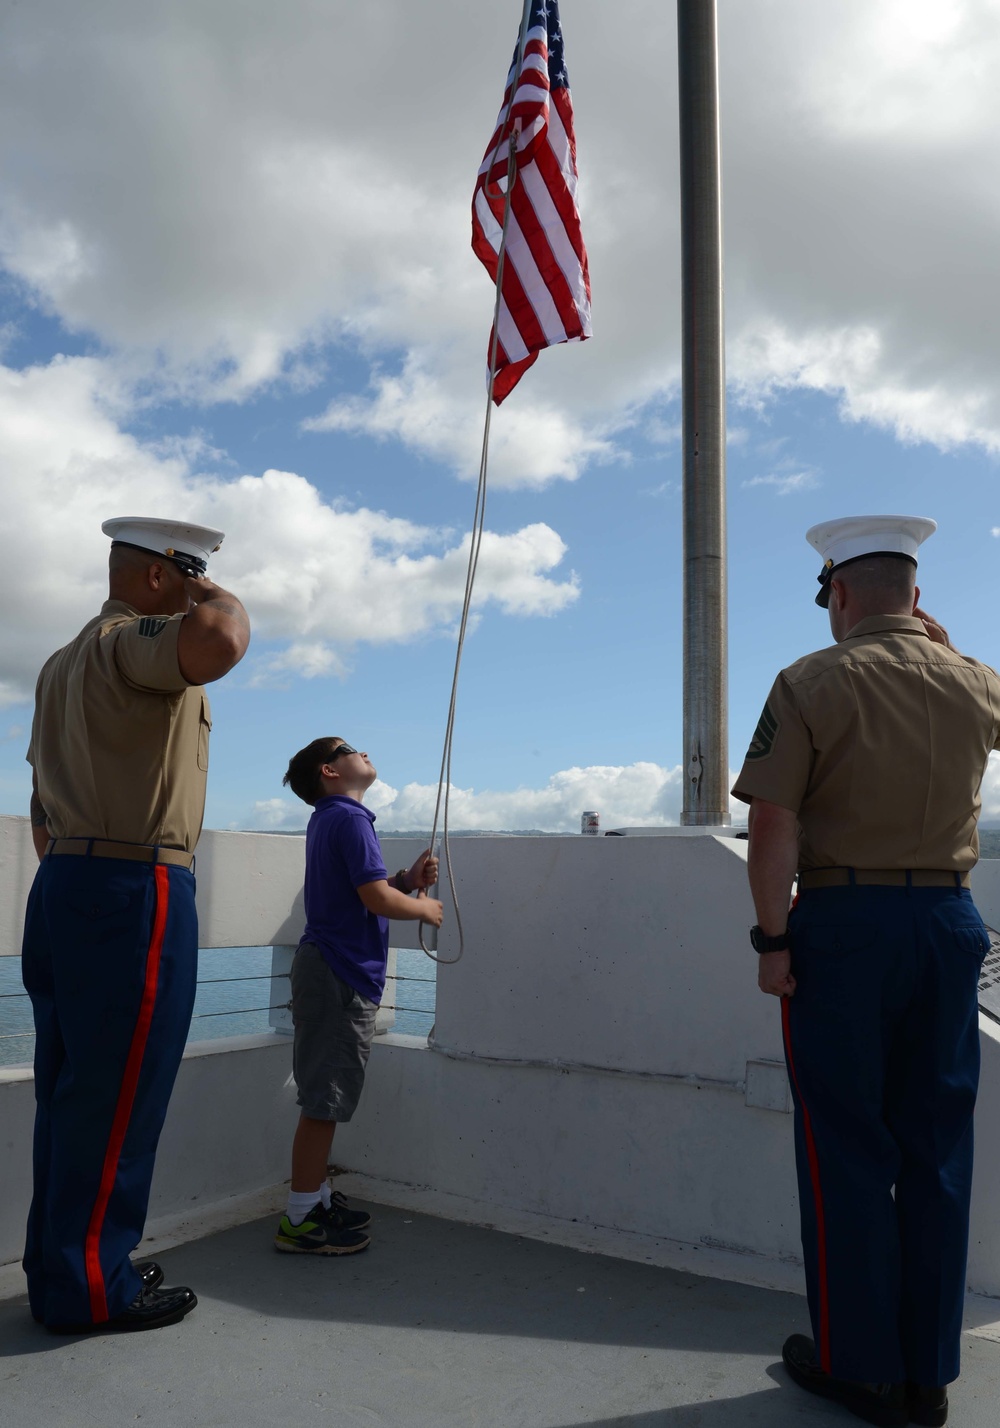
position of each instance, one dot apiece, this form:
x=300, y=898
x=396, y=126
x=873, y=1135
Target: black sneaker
x=318, y=1234
x=344, y=1217
x=881, y=1403
x=928, y=1406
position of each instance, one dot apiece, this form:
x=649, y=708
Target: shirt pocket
x=204, y=729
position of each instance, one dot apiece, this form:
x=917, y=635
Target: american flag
x=546, y=283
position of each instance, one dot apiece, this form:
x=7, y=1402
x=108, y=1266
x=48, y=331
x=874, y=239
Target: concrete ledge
x=227, y=1135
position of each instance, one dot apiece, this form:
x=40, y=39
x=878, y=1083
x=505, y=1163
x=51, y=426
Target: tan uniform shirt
x=879, y=745
x=119, y=741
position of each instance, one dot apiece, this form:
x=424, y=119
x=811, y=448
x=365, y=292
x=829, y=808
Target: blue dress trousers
x=110, y=963
x=882, y=1046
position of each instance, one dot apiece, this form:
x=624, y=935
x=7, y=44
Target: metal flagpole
x=706, y=723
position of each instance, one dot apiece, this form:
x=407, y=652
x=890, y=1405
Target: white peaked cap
x=853, y=537
x=180, y=541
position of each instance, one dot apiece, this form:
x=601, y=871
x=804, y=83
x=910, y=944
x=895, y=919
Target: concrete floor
x=437, y=1325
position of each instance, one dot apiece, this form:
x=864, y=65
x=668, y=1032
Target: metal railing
x=22, y=1035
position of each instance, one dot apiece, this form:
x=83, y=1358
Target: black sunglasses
x=340, y=749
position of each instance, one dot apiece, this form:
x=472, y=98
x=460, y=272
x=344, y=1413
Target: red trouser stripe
x=824, y=1300
x=126, y=1099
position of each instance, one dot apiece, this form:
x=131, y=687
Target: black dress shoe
x=149, y=1273
x=150, y=1309
x=150, y=1276
x=880, y=1403
x=928, y=1406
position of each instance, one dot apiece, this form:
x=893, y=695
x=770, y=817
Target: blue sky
x=217, y=265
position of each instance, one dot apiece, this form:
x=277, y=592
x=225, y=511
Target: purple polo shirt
x=342, y=854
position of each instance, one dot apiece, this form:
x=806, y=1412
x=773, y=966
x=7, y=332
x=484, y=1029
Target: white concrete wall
x=228, y=1132
x=627, y=953
x=249, y=886
x=590, y=1057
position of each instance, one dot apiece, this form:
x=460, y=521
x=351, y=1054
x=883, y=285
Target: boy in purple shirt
x=338, y=977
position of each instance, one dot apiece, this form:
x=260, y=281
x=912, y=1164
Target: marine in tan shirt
x=119, y=748
x=878, y=745
x=119, y=741
x=863, y=776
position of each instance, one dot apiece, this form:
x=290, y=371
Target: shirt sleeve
x=145, y=651
x=780, y=757
x=992, y=680
x=359, y=847
x=993, y=688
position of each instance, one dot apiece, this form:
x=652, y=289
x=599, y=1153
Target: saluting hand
x=200, y=588
x=936, y=632
x=774, y=974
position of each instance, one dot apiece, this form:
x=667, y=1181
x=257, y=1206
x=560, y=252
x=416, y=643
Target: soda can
x=590, y=822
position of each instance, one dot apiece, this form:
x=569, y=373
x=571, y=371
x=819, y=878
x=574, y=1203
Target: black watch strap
x=762, y=943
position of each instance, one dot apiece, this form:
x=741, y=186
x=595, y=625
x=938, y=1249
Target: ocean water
x=235, y=992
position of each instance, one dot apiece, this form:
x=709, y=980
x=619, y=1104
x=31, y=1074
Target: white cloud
x=640, y=795
x=531, y=444
x=208, y=187
x=786, y=483
x=370, y=576
x=873, y=384
x=270, y=814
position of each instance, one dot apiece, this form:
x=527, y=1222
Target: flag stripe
x=551, y=250
x=517, y=306
x=545, y=297
x=508, y=379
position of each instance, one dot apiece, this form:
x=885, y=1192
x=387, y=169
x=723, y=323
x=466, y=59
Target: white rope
x=478, y=518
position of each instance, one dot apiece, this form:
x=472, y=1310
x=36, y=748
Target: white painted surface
x=228, y=1132
x=249, y=886
x=17, y=868
x=591, y=1061
x=629, y=953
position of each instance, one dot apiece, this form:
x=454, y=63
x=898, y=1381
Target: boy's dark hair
x=303, y=774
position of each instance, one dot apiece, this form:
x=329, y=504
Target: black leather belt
x=881, y=878
x=107, y=848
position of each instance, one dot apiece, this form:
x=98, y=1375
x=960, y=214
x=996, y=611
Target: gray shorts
x=334, y=1026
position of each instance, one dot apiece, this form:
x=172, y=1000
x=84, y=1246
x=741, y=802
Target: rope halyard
x=478, y=518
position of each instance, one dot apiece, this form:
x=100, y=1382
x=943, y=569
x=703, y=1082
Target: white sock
x=300, y=1203
x=325, y=1193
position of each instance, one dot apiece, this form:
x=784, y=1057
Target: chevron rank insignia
x=763, y=739
x=150, y=626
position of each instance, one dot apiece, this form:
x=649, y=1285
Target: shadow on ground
x=438, y=1325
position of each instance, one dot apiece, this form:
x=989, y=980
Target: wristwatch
x=762, y=943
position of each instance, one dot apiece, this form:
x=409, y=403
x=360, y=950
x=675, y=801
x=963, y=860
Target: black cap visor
x=192, y=565
x=830, y=570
